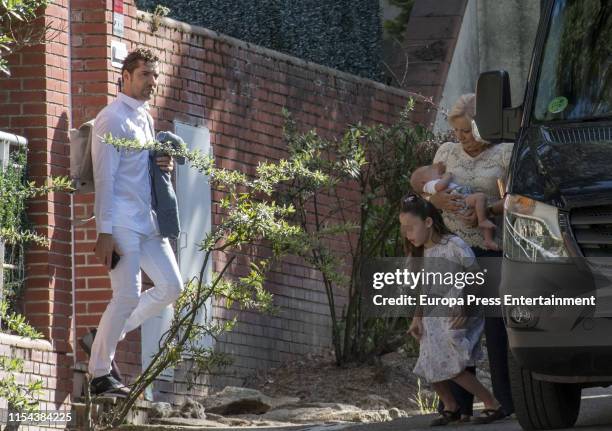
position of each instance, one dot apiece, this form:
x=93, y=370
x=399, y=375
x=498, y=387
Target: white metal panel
x=194, y=200
x=151, y=331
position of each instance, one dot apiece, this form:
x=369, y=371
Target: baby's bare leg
x=478, y=201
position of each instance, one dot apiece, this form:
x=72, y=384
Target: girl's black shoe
x=489, y=415
x=446, y=417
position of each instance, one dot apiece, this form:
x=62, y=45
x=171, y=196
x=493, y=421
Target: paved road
x=595, y=414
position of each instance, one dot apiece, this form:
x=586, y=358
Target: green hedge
x=343, y=34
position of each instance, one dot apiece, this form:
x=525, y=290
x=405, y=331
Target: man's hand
x=104, y=249
x=446, y=201
x=165, y=163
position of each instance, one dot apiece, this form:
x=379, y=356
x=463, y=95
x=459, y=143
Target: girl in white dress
x=448, y=345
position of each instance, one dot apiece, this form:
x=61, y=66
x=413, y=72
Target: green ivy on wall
x=342, y=34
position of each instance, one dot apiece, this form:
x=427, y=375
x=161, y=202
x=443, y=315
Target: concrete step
x=138, y=415
x=78, y=379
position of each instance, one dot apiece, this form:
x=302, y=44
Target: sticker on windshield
x=558, y=104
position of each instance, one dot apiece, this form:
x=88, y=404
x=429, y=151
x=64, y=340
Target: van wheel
x=542, y=405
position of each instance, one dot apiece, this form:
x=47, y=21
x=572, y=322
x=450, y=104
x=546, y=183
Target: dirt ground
x=317, y=378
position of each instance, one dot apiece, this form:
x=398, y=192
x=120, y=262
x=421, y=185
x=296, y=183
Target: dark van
x=558, y=210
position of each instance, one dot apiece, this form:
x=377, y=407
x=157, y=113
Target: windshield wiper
x=606, y=116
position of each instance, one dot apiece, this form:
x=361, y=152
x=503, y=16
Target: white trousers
x=129, y=307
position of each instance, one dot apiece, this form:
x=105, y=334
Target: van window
x=575, y=79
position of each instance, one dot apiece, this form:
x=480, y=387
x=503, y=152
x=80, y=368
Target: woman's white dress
x=480, y=173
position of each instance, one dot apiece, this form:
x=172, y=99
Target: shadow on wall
x=61, y=309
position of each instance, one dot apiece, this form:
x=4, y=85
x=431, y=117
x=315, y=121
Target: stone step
x=78, y=379
x=138, y=415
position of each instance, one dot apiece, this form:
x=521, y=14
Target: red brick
x=27, y=71
x=96, y=307
x=40, y=321
x=94, y=16
x=93, y=271
x=98, y=283
x=10, y=84
x=90, y=28
x=88, y=4
x=91, y=100
x=96, y=87
x=33, y=121
x=11, y=109
x=28, y=96
x=89, y=320
x=95, y=40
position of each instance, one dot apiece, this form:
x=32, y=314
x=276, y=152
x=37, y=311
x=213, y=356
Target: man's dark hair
x=131, y=61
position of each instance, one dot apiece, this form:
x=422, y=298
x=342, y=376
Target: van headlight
x=531, y=231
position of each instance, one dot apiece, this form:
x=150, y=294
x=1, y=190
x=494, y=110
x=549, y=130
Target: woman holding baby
x=462, y=183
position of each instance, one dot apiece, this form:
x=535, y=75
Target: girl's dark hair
x=414, y=204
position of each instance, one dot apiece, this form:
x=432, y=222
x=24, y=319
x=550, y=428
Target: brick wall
x=39, y=363
x=34, y=103
x=237, y=91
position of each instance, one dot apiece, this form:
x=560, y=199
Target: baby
x=434, y=178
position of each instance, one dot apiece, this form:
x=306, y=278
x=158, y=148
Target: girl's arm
x=416, y=328
x=418, y=311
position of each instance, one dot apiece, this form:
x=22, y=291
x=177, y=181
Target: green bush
x=16, y=29
x=377, y=162
x=15, y=190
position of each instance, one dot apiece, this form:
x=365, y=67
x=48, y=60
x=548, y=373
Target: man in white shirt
x=125, y=221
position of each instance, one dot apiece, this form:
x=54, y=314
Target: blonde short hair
x=465, y=106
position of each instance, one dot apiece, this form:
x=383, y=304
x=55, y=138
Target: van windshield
x=575, y=80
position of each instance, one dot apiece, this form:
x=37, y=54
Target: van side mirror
x=495, y=119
